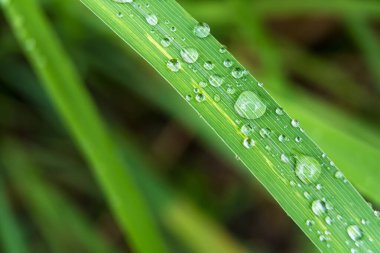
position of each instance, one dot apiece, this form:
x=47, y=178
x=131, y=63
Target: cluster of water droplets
x=303, y=171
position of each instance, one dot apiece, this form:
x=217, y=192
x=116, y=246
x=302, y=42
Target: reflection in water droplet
x=216, y=80
x=318, y=207
x=308, y=169
x=174, y=65
x=354, y=232
x=247, y=129
x=248, y=143
x=152, y=19
x=189, y=55
x=202, y=30
x=250, y=106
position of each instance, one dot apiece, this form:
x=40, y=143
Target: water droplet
x=223, y=50
x=295, y=123
x=173, y=29
x=248, y=143
x=282, y=138
x=328, y=220
x=228, y=63
x=152, y=19
x=174, y=65
x=265, y=132
x=231, y=90
x=200, y=98
x=280, y=111
x=217, y=98
x=216, y=80
x=238, y=73
x=285, y=158
x=189, y=55
x=309, y=223
x=165, y=42
x=250, y=106
x=202, y=30
x=319, y=187
x=209, y=65
x=354, y=232
x=119, y=15
x=318, y=207
x=339, y=175
x=298, y=139
x=308, y=169
x=188, y=97
x=247, y=129
x=376, y=213
x=203, y=84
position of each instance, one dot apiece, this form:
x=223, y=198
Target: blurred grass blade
x=75, y=106
x=63, y=226
x=10, y=231
x=273, y=157
x=368, y=43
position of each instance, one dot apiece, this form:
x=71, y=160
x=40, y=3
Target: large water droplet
x=202, y=30
x=189, y=55
x=216, y=80
x=354, y=232
x=174, y=65
x=152, y=19
x=250, y=106
x=308, y=169
x=318, y=207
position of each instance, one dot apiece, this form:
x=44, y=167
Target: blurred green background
x=320, y=59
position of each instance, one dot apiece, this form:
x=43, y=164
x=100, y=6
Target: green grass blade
x=368, y=43
x=61, y=223
x=10, y=232
x=75, y=106
x=134, y=24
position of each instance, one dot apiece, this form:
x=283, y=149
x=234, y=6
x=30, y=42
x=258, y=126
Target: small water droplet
x=339, y=175
x=174, y=65
x=318, y=207
x=295, y=123
x=355, y=232
x=223, y=50
x=308, y=169
x=285, y=158
x=250, y=106
x=200, y=97
x=298, y=139
x=249, y=143
x=189, y=55
x=119, y=14
x=188, y=97
x=328, y=220
x=280, y=111
x=238, y=73
x=216, y=80
x=247, y=129
x=152, y=19
x=309, y=223
x=265, y=132
x=282, y=138
x=202, y=30
x=228, y=63
x=217, y=98
x=165, y=42
x=209, y=65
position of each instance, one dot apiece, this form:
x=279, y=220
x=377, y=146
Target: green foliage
x=276, y=152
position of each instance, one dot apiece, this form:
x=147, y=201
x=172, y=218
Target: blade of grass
x=144, y=26
x=10, y=231
x=365, y=38
x=75, y=106
x=61, y=223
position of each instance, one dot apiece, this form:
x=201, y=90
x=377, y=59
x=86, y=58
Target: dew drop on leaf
x=308, y=169
x=174, y=65
x=202, y=30
x=189, y=55
x=318, y=207
x=152, y=19
x=354, y=232
x=248, y=143
x=250, y=106
x=216, y=80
